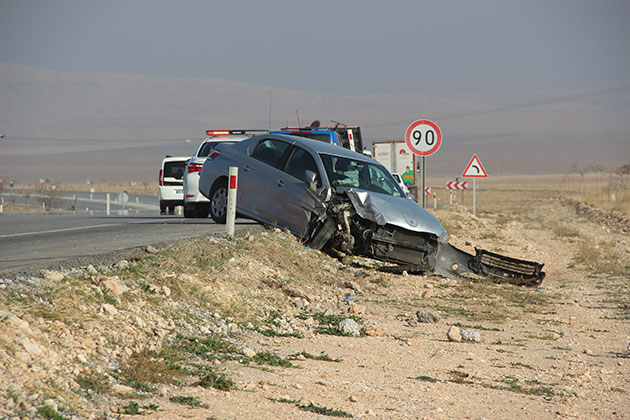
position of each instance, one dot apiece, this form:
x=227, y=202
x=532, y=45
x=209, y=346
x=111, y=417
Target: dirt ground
x=557, y=351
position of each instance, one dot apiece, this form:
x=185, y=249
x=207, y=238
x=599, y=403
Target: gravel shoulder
x=83, y=341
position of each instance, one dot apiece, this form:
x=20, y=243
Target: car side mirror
x=311, y=179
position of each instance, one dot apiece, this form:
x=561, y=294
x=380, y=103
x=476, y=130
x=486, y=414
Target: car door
x=257, y=178
x=294, y=205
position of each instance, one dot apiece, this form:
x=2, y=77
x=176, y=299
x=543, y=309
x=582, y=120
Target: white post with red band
x=231, y=201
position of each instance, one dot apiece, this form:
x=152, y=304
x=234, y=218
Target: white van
x=171, y=184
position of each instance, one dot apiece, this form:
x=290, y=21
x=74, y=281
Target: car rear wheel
x=202, y=211
x=218, y=201
x=190, y=212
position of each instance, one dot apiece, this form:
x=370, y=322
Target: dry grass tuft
x=603, y=257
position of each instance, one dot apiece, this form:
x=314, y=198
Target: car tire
x=202, y=211
x=218, y=201
x=190, y=212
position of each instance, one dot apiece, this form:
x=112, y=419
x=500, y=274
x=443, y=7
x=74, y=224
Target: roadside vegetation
x=182, y=326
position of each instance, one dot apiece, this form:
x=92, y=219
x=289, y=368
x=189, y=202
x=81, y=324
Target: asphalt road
x=30, y=242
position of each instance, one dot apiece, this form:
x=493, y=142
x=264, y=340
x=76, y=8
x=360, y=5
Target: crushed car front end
x=400, y=232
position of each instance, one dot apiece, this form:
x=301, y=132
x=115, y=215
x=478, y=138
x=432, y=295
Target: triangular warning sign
x=475, y=169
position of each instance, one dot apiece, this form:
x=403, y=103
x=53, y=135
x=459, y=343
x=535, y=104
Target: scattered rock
x=52, y=404
x=375, y=331
x=30, y=346
x=353, y=398
x=412, y=322
x=354, y=286
x=454, y=334
x=349, y=326
x=166, y=290
x=301, y=304
x=114, y=286
x=355, y=309
x=249, y=353
x=427, y=317
x=470, y=335
x=122, y=389
x=109, y=309
x=91, y=270
x=295, y=292
x=53, y=275
x=122, y=265
x=15, y=321
x=152, y=250
x=139, y=322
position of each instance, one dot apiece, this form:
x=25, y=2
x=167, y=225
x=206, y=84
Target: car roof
x=317, y=146
x=175, y=158
x=226, y=137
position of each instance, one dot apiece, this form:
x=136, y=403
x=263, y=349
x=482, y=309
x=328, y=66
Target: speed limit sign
x=423, y=137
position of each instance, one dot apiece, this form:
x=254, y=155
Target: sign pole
x=474, y=196
x=424, y=182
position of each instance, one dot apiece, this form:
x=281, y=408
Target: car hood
x=397, y=211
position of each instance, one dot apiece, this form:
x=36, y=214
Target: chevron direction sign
x=457, y=185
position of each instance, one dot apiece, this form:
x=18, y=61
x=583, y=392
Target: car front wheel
x=218, y=202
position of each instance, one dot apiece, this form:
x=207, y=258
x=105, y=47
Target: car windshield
x=350, y=173
x=209, y=147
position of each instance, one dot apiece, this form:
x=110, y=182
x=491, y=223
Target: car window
x=270, y=151
x=209, y=146
x=299, y=162
x=351, y=173
x=174, y=169
x=325, y=137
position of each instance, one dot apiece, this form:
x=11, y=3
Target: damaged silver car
x=340, y=201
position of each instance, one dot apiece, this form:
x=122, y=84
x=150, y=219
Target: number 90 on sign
x=423, y=137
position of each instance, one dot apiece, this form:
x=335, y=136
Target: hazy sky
x=341, y=47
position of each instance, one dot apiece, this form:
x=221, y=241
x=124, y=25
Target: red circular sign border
x=414, y=125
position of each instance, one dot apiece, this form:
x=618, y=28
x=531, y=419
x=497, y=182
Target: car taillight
x=195, y=167
x=214, y=155
x=160, y=183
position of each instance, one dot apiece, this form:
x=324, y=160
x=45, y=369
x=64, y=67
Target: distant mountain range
x=69, y=127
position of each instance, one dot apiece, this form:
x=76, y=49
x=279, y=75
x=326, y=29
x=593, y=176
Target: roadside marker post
x=475, y=170
x=231, y=201
x=107, y=206
x=424, y=138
